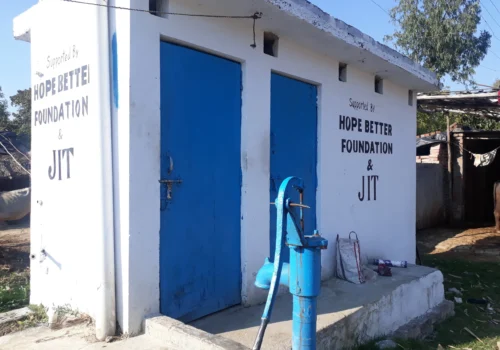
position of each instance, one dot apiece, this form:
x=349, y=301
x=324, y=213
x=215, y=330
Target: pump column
x=305, y=285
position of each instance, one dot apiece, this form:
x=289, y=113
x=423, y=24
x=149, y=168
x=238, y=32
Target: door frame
x=221, y=55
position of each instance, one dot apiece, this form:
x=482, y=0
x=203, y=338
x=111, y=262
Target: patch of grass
x=478, y=280
x=14, y=290
x=38, y=317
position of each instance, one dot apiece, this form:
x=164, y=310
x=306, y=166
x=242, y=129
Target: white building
x=123, y=99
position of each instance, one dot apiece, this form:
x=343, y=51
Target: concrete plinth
x=348, y=314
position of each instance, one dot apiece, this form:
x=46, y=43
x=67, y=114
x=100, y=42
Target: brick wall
x=438, y=155
x=429, y=134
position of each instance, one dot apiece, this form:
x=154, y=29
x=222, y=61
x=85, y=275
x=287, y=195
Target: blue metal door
x=294, y=138
x=200, y=269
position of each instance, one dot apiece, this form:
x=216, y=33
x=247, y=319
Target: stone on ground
x=14, y=315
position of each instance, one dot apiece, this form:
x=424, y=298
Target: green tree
x=21, y=122
x=496, y=84
x=479, y=123
x=441, y=36
x=4, y=113
x=427, y=123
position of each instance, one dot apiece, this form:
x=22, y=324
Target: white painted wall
x=386, y=227
x=119, y=25
x=71, y=160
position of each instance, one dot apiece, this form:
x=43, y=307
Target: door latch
x=169, y=184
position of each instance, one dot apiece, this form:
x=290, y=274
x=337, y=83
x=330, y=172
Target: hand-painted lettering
x=371, y=188
x=64, y=110
x=57, y=163
x=69, y=80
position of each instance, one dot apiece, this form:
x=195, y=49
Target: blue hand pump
x=302, y=275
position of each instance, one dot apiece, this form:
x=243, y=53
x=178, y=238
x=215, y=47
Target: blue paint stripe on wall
x=114, y=57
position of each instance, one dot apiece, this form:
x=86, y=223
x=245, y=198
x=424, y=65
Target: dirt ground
x=15, y=248
x=474, y=244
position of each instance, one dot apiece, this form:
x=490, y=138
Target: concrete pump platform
x=405, y=305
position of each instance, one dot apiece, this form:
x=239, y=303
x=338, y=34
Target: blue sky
x=363, y=14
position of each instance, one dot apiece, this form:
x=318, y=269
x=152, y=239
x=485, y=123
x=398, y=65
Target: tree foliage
x=4, y=112
x=427, y=123
x=441, y=36
x=496, y=84
x=21, y=121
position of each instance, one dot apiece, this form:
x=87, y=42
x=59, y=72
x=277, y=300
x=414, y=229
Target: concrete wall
x=71, y=158
x=430, y=195
x=432, y=186
x=385, y=226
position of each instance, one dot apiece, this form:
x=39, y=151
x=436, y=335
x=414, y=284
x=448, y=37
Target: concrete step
x=180, y=336
x=406, y=305
x=348, y=314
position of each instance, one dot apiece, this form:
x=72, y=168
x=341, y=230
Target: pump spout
x=265, y=274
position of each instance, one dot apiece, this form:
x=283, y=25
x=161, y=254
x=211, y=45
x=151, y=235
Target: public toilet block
x=159, y=140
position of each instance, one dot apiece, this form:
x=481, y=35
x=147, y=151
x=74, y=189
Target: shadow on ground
x=472, y=244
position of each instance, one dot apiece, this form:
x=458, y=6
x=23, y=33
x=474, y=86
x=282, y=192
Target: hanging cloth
x=484, y=159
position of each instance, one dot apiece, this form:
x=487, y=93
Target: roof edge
x=21, y=24
x=321, y=20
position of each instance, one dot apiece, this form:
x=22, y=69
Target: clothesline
x=483, y=159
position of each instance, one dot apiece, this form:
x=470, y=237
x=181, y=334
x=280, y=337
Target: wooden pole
x=450, y=184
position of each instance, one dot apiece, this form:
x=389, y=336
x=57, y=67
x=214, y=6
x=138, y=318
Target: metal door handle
x=171, y=166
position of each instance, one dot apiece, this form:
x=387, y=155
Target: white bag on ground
x=15, y=205
x=348, y=258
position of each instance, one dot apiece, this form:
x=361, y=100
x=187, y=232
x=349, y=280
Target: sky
x=369, y=16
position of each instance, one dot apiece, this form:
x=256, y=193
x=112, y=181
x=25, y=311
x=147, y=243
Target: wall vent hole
x=271, y=44
x=410, y=97
x=379, y=85
x=343, y=72
x=158, y=8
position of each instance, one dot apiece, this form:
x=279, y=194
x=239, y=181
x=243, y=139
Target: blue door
x=294, y=138
x=200, y=269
